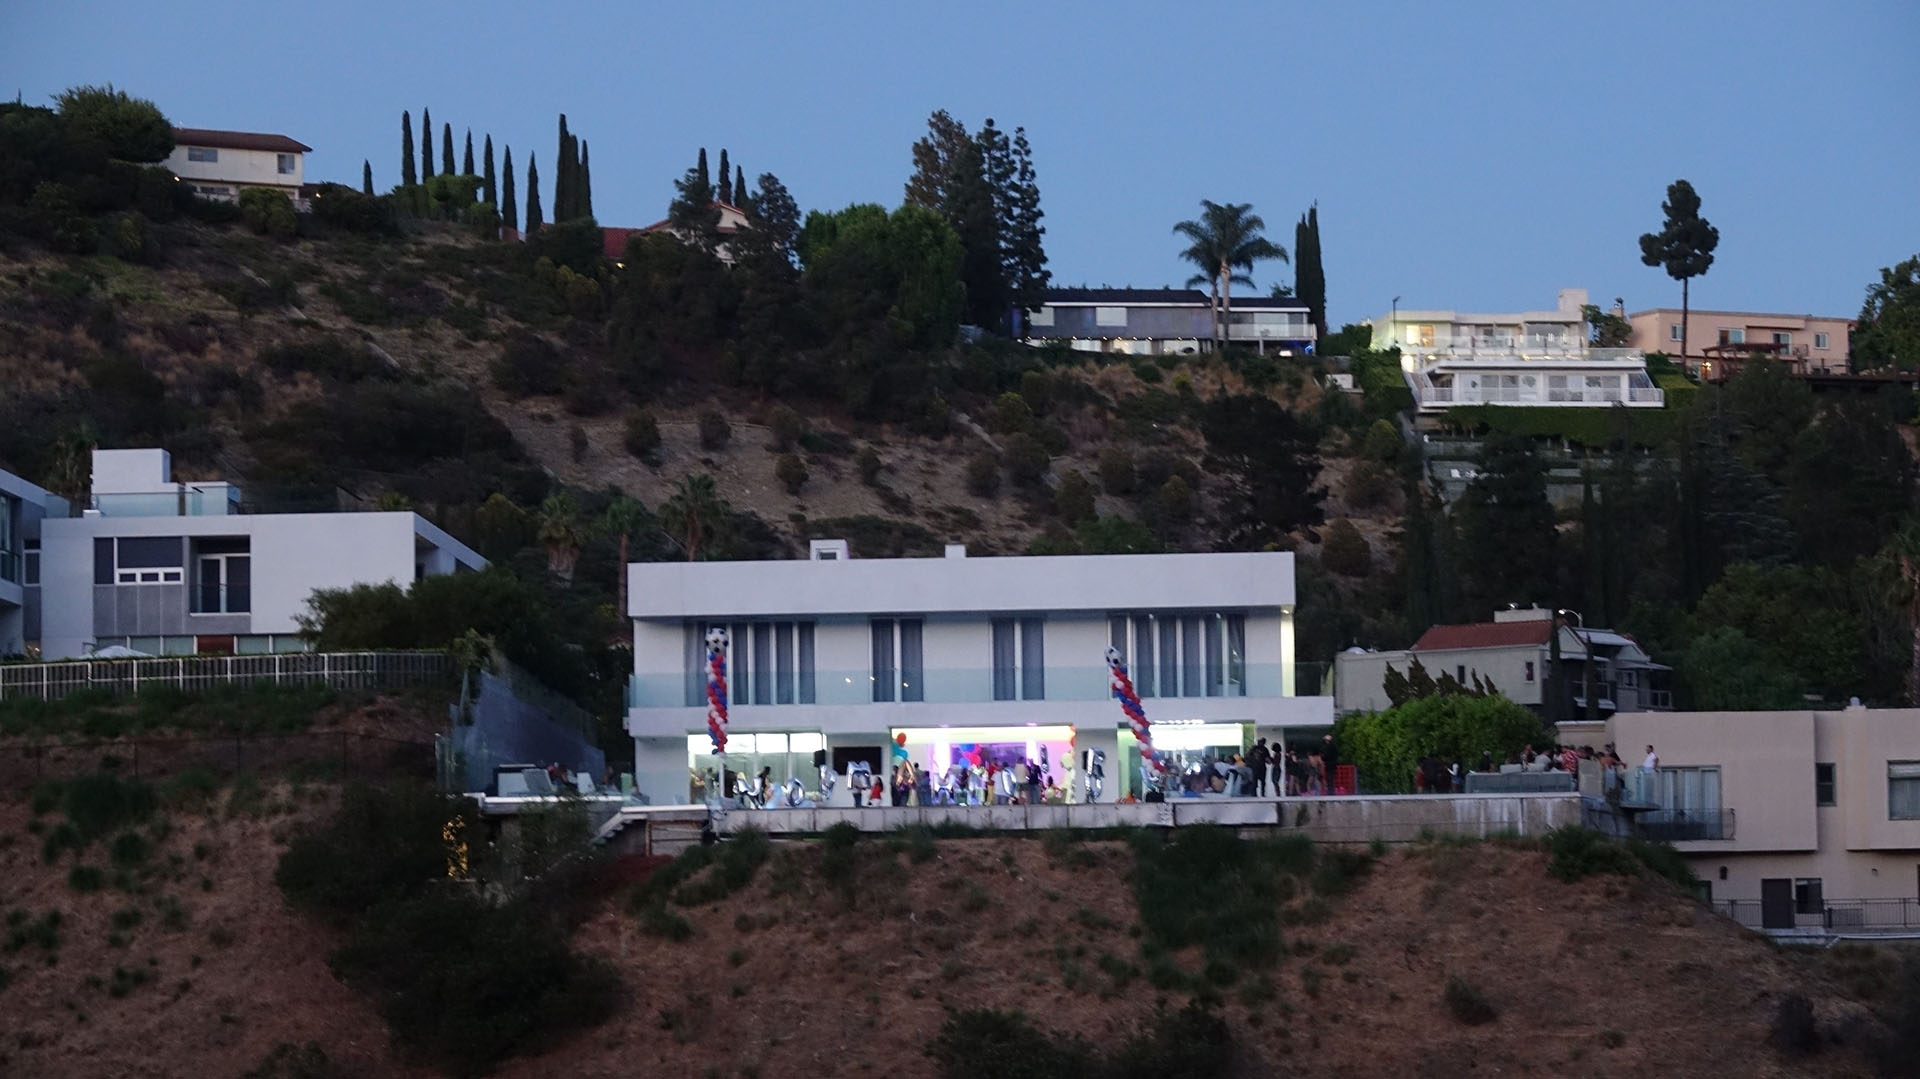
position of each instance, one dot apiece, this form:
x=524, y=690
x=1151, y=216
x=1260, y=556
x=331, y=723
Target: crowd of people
x=1439, y=775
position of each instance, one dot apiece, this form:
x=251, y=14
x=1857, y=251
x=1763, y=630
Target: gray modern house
x=1165, y=321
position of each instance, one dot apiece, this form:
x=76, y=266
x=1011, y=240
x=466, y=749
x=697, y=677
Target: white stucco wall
x=248, y=167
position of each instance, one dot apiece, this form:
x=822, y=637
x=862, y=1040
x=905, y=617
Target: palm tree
x=695, y=515
x=1226, y=243
x=560, y=533
x=624, y=516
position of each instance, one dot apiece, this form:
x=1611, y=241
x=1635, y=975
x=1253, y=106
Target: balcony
x=1531, y=349
x=1684, y=825
x=976, y=686
x=1525, y=390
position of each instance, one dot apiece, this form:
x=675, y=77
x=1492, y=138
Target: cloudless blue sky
x=1477, y=156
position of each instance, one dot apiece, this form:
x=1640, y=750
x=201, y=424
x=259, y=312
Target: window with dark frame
x=1823, y=784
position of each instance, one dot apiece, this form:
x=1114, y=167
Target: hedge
x=1595, y=428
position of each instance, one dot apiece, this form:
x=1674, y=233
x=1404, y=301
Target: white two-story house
x=220, y=163
x=179, y=568
x=958, y=656
x=1525, y=358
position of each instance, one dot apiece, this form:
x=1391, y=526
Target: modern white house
x=1165, y=321
x=22, y=508
x=1515, y=653
x=178, y=568
x=1524, y=358
x=957, y=655
x=220, y=163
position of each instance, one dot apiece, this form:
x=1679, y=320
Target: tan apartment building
x=1795, y=819
x=1720, y=341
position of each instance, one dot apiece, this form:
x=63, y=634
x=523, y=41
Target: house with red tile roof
x=1513, y=655
x=613, y=241
x=219, y=164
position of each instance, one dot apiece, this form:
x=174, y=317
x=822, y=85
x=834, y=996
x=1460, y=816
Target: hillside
x=847, y=959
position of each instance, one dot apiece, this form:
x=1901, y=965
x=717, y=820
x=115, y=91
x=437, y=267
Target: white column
x=1287, y=687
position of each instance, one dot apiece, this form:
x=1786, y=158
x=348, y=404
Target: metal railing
x=1682, y=825
x=340, y=670
x=1837, y=915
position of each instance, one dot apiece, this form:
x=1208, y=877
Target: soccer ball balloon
x=716, y=639
x=1113, y=657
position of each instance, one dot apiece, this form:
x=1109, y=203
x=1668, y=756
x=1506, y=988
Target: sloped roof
x=238, y=140
x=1484, y=635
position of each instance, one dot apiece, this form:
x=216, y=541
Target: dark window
x=1806, y=896
x=1004, y=688
x=1143, y=663
x=763, y=663
x=151, y=552
x=102, y=561
x=1529, y=670
x=1823, y=784
x=1215, y=676
x=912, y=674
x=883, y=673
x=1033, y=659
x=1169, y=656
x=783, y=662
x=1190, y=658
x=805, y=635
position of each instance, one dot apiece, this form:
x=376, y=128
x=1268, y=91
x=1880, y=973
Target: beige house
x=219, y=164
x=1795, y=820
x=1514, y=651
x=1722, y=340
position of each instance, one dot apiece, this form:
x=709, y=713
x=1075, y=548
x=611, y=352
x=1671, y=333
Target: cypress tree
x=586, y=182
x=740, y=197
x=407, y=177
x=563, y=174
x=533, y=194
x=466, y=160
x=446, y=149
x=1309, y=280
x=509, y=209
x=426, y=145
x=366, y=177
x=726, y=179
x=706, y=177
x=487, y=179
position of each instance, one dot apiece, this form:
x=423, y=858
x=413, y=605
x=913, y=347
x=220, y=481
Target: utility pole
x=1556, y=687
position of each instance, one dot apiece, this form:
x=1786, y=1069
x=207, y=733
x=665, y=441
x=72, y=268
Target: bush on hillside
x=792, y=472
x=715, y=431
x=1344, y=550
x=983, y=476
x=380, y=846
x=269, y=212
x=1073, y=499
x=1576, y=853
x=1383, y=442
x=1116, y=471
x=642, y=436
x=787, y=427
x=530, y=365
x=1467, y=1003
x=1026, y=461
x=869, y=464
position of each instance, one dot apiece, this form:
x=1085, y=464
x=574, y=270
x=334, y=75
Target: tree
x=586, y=183
x=1505, y=509
x=742, y=199
x=407, y=175
x=623, y=517
x=533, y=195
x=561, y=533
x=366, y=177
x=488, y=181
x=1606, y=329
x=1073, y=499
x=791, y=471
x=1803, y=620
x=1309, y=280
x=1385, y=747
x=1021, y=234
x=1344, y=550
x=726, y=179
x=1887, y=337
x=565, y=175
x=695, y=516
x=774, y=222
x=509, y=207
x=1225, y=242
x=951, y=178
x=1850, y=479
x=113, y=122
x=426, y=145
x=1683, y=246
x=1725, y=670
x=1270, y=462
x=1903, y=551
x=446, y=148
x=692, y=214
x=466, y=158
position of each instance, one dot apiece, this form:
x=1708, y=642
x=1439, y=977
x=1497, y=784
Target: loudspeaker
x=819, y=758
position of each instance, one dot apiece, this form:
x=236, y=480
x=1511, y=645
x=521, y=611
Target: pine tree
x=509, y=207
x=741, y=198
x=466, y=159
x=488, y=178
x=366, y=177
x=1309, y=281
x=726, y=179
x=407, y=177
x=426, y=145
x=1023, y=235
x=586, y=182
x=446, y=149
x=692, y=214
x=533, y=194
x=562, y=174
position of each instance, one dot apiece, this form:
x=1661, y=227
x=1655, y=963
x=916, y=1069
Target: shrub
x=1369, y=484
x=1011, y=414
x=715, y=431
x=983, y=476
x=268, y=212
x=577, y=443
x=787, y=428
x=1116, y=471
x=643, y=435
x=289, y=1061
x=1173, y=503
x=1467, y=1003
x=528, y=365
x=869, y=465
x=1073, y=499
x=379, y=847
x=791, y=471
x=86, y=878
x=1793, y=1029
x=986, y=1042
x=1575, y=853
x=1383, y=442
x=1147, y=372
x=1026, y=460
x=1344, y=550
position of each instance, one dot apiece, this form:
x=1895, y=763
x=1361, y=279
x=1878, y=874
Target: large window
x=767, y=662
x=1903, y=790
x=1692, y=790
x=139, y=560
x=1183, y=654
x=1806, y=896
x=1823, y=784
x=899, y=673
x=205, y=154
x=223, y=576
x=1019, y=659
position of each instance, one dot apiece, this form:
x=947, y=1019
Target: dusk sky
x=1471, y=156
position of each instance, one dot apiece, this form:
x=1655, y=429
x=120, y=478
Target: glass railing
x=215, y=502
x=973, y=686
